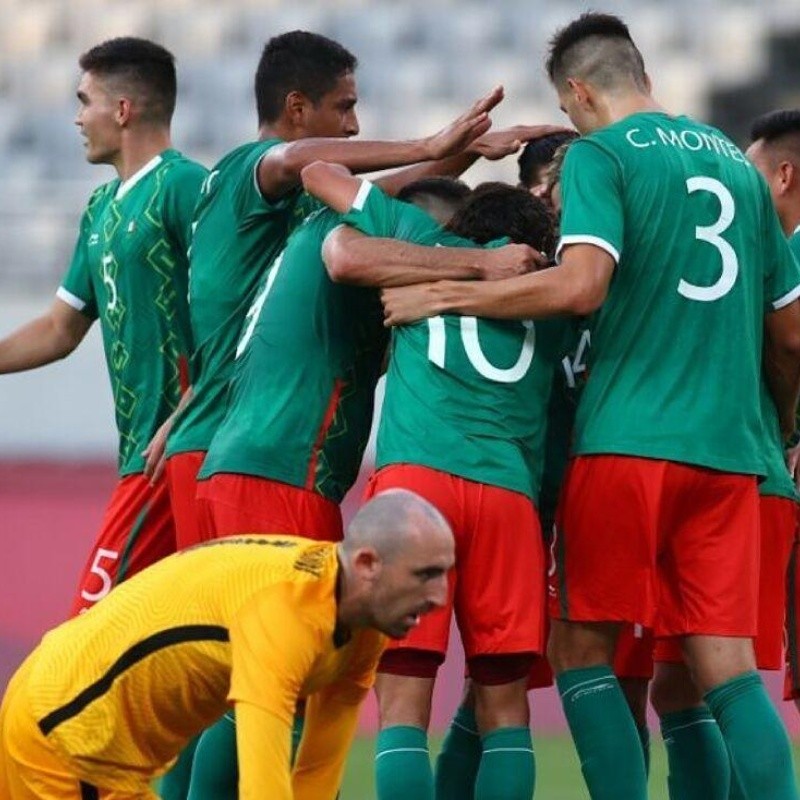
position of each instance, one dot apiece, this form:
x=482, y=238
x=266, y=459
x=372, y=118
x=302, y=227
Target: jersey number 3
x=712, y=235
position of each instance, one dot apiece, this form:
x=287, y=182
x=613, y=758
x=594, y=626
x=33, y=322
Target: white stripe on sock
x=402, y=750
x=585, y=683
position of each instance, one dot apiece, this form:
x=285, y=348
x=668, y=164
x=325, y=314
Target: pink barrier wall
x=49, y=514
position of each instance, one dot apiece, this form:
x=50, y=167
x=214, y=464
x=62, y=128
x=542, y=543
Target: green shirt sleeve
x=781, y=271
x=593, y=205
x=181, y=197
x=76, y=288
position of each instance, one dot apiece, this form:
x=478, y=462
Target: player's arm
x=154, y=453
x=782, y=362
x=263, y=745
x=330, y=724
x=279, y=170
x=50, y=337
x=578, y=286
x=492, y=146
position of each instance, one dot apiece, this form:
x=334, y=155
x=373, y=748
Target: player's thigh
x=500, y=592
x=708, y=554
x=603, y=554
x=136, y=532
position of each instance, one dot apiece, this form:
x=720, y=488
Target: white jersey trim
x=796, y=230
x=586, y=239
x=786, y=299
x=70, y=299
x=361, y=195
x=127, y=185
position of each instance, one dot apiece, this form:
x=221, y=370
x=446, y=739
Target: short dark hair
x=440, y=196
x=598, y=47
x=776, y=125
x=539, y=153
x=497, y=210
x=142, y=67
x=298, y=61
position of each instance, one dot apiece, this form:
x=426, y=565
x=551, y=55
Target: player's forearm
x=452, y=166
x=262, y=744
x=35, y=344
x=782, y=372
x=366, y=261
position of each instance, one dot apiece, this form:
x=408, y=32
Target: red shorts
x=497, y=585
x=232, y=504
x=791, y=687
x=778, y=532
x=137, y=531
x=181, y=473
x=671, y=546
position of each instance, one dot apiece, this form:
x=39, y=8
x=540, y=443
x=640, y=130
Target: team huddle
x=586, y=451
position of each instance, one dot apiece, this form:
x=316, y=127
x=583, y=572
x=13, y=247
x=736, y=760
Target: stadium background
x=421, y=62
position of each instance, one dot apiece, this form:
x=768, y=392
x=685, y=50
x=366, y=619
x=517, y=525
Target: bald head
x=394, y=520
x=598, y=49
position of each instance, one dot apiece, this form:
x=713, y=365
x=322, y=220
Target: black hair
x=449, y=190
x=776, y=125
x=497, y=210
x=620, y=56
x=142, y=67
x=539, y=153
x=298, y=61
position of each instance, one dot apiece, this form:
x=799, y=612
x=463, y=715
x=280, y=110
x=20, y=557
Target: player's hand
x=509, y=261
x=155, y=452
x=405, y=304
x=463, y=131
x=793, y=462
x=499, y=144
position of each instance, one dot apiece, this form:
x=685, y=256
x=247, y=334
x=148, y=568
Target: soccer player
x=478, y=462
x=129, y=270
x=669, y=233
x=107, y=700
x=775, y=151
x=305, y=96
x=535, y=160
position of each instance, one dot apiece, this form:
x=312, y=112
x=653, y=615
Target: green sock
x=644, y=740
x=699, y=766
x=757, y=742
x=508, y=768
x=460, y=757
x=402, y=764
x=175, y=784
x=604, y=733
x=215, y=773
x=297, y=733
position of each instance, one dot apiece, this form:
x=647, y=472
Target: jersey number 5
x=712, y=235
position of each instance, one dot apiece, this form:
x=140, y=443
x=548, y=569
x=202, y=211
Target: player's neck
x=616, y=107
x=351, y=609
x=790, y=219
x=140, y=148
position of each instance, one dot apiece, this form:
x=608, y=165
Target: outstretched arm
x=48, y=338
x=782, y=362
x=279, y=170
x=578, y=286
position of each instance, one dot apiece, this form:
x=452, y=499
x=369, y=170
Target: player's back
x=301, y=396
x=677, y=343
x=120, y=689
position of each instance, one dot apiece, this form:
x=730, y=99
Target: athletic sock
x=402, y=764
x=699, y=765
x=175, y=783
x=507, y=767
x=297, y=733
x=604, y=734
x=644, y=740
x=215, y=773
x=460, y=757
x=756, y=738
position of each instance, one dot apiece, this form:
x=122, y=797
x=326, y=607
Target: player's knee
x=404, y=686
x=673, y=689
x=500, y=689
x=579, y=645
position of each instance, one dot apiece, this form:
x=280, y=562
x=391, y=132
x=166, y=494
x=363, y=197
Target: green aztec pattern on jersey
x=465, y=396
x=676, y=346
x=301, y=397
x=237, y=234
x=130, y=269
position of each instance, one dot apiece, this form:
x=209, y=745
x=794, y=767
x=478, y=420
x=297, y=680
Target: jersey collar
x=127, y=185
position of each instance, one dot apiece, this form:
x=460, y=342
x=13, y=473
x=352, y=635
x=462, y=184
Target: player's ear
x=788, y=176
x=367, y=563
x=123, y=112
x=296, y=107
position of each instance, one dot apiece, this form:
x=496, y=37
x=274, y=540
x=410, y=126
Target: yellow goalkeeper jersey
x=119, y=690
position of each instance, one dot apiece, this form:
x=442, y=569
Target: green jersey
x=237, y=234
x=129, y=270
x=465, y=396
x=700, y=256
x=779, y=482
x=301, y=397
